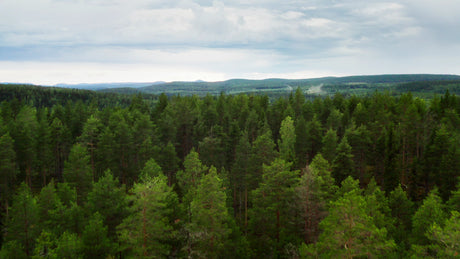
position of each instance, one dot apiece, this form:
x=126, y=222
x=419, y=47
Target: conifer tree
x=271, y=218
x=8, y=170
x=77, y=171
x=446, y=237
x=22, y=224
x=402, y=209
x=349, y=231
x=108, y=199
x=343, y=164
x=430, y=212
x=148, y=230
x=287, y=140
x=329, y=145
x=94, y=240
x=315, y=190
x=208, y=229
x=301, y=143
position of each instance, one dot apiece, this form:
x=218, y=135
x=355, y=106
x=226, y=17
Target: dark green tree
x=108, y=199
x=315, y=190
x=77, y=171
x=343, y=164
x=90, y=138
x=8, y=170
x=271, y=223
x=22, y=225
x=94, y=240
x=301, y=143
x=402, y=210
x=329, y=145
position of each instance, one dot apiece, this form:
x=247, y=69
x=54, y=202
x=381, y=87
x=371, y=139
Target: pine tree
x=25, y=141
x=108, y=199
x=208, y=229
x=150, y=170
x=430, y=212
x=343, y=164
x=287, y=140
x=193, y=171
x=95, y=243
x=329, y=145
x=22, y=224
x=349, y=231
x=89, y=139
x=69, y=246
x=402, y=210
x=454, y=200
x=316, y=189
x=301, y=143
x=77, y=171
x=271, y=218
x=8, y=170
x=148, y=231
x=238, y=178
x=446, y=237
x=263, y=152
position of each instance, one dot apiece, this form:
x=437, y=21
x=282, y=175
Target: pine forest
x=87, y=174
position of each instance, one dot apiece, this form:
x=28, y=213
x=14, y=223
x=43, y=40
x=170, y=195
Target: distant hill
x=274, y=87
x=422, y=85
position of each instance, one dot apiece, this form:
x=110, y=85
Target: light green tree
x=349, y=231
x=430, y=212
x=446, y=238
x=287, y=139
x=148, y=230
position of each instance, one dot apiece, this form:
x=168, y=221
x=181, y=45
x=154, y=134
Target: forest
x=102, y=175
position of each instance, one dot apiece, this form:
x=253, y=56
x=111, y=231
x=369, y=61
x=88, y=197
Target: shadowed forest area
x=102, y=175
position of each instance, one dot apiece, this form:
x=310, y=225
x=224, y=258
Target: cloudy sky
x=76, y=41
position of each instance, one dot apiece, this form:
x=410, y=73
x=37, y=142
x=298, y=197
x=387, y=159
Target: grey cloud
x=291, y=34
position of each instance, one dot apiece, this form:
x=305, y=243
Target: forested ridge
x=93, y=175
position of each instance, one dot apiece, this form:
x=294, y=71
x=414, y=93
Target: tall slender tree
x=208, y=229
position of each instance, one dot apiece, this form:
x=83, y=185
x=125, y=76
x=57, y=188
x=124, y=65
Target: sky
x=92, y=41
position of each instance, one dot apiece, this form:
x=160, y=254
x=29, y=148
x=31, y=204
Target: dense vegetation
x=92, y=175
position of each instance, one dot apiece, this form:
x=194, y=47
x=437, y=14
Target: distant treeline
x=39, y=96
